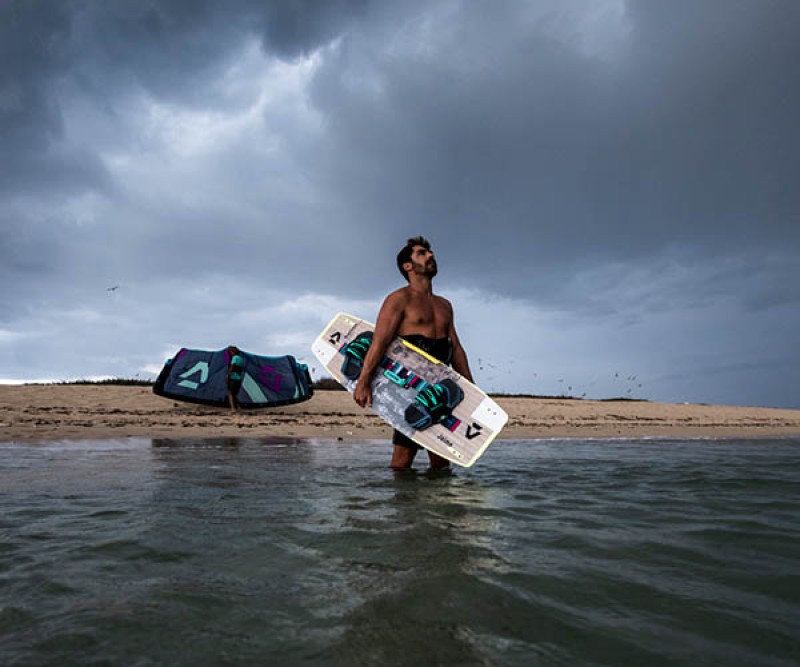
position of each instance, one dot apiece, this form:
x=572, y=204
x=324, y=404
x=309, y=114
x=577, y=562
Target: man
x=235, y=375
x=424, y=319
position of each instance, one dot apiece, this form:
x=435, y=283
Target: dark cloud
x=54, y=53
x=299, y=27
x=32, y=54
x=616, y=161
x=169, y=48
x=682, y=139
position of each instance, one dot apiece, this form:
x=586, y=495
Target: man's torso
x=425, y=315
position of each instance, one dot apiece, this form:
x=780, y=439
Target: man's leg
x=438, y=462
x=405, y=449
x=402, y=457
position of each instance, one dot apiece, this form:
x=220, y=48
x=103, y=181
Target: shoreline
x=30, y=413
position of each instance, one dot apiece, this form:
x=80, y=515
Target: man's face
x=423, y=261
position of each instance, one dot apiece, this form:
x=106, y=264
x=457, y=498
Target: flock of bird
x=631, y=386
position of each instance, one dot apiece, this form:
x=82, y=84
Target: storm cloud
x=610, y=186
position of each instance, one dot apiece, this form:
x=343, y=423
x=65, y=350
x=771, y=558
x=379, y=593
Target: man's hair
x=405, y=254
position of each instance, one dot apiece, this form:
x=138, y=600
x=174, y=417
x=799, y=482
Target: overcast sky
x=611, y=187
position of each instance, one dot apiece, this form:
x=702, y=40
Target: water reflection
x=226, y=441
x=394, y=557
x=268, y=551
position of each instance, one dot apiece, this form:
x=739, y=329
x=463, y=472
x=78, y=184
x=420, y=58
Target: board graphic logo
x=335, y=338
x=200, y=367
x=474, y=430
x=269, y=377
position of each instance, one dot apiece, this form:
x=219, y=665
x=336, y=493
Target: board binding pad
x=460, y=434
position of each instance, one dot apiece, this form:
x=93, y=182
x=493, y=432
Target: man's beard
x=429, y=268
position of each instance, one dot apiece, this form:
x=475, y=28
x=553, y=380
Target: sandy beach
x=55, y=412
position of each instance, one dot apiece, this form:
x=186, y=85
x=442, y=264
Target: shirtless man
x=424, y=319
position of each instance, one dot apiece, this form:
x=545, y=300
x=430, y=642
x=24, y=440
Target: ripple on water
x=251, y=552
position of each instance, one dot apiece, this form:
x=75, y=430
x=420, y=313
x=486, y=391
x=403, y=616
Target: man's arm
x=460, y=362
x=389, y=319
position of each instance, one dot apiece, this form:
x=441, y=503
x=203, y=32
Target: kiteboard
x=413, y=392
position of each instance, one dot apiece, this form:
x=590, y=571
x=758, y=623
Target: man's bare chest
x=426, y=317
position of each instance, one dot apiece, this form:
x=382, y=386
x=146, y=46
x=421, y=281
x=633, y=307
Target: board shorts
x=439, y=348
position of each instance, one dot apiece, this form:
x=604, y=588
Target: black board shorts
x=439, y=348
x=401, y=440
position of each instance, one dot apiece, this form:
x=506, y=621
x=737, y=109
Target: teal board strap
x=394, y=377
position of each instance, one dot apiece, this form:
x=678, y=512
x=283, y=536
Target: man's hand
x=388, y=321
x=363, y=394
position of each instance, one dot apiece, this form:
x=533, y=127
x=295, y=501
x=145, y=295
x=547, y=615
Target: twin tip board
x=416, y=394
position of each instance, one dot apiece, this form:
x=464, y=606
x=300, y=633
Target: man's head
x=417, y=257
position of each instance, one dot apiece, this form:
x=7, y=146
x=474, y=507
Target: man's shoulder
x=404, y=295
x=399, y=295
x=443, y=301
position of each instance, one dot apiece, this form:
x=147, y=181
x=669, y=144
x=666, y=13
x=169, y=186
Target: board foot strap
x=400, y=375
x=407, y=379
x=354, y=354
x=434, y=404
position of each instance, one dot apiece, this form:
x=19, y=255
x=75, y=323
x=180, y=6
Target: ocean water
x=274, y=552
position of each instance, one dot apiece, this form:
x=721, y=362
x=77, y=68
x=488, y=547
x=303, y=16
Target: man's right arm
x=389, y=319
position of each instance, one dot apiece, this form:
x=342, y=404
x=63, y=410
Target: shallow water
x=242, y=552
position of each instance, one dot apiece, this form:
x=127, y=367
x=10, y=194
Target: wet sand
x=55, y=412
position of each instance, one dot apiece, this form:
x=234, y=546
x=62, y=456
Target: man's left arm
x=460, y=361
